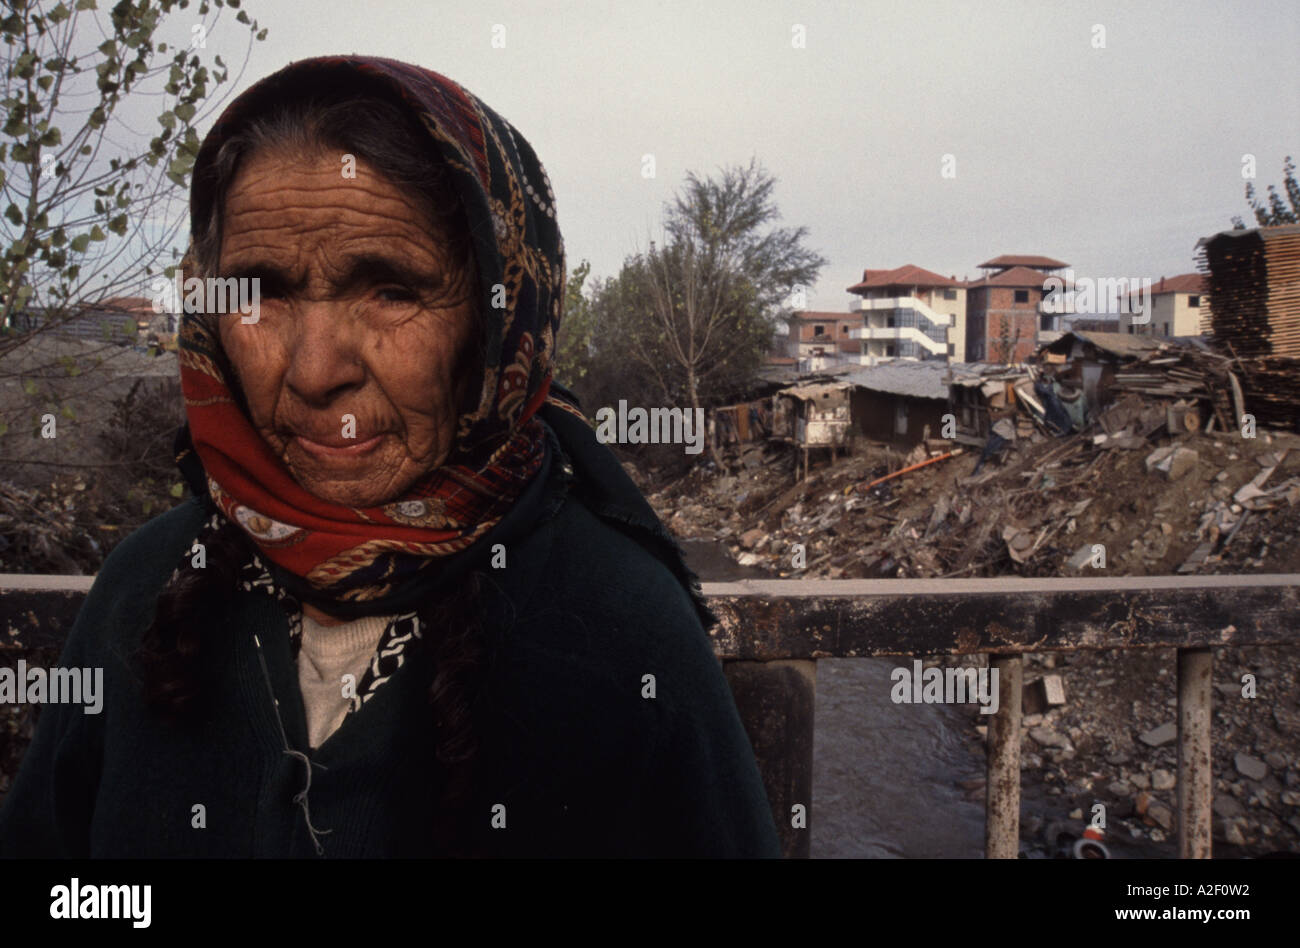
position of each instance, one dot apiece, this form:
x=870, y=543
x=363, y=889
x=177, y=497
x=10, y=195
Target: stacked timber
x=1253, y=280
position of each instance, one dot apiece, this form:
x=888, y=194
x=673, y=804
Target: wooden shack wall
x=874, y=414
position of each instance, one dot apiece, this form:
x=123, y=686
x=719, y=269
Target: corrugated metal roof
x=1116, y=343
x=904, y=377
x=815, y=390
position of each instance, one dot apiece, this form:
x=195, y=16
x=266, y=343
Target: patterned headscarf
x=348, y=555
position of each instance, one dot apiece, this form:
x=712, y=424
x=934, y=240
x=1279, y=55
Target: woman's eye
x=396, y=294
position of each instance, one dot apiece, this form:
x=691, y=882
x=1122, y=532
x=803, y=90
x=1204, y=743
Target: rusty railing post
x=1195, y=774
x=1002, y=790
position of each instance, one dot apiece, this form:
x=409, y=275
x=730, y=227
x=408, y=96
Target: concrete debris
x=1041, y=695
x=1164, y=734
x=1160, y=815
x=1251, y=767
x=1173, y=461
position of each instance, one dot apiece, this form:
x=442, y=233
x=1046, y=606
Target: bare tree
x=714, y=291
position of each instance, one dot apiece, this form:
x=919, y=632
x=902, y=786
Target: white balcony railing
x=898, y=334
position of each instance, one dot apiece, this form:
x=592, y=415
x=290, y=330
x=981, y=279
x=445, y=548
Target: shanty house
x=1088, y=360
x=812, y=416
x=980, y=395
x=897, y=401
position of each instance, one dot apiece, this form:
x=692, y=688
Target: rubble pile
x=1166, y=479
x=1110, y=737
x=1154, y=504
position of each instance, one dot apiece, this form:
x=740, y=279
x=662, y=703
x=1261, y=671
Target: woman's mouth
x=338, y=447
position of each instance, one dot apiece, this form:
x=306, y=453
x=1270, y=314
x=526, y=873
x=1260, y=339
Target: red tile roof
x=126, y=303
x=1008, y=260
x=1183, y=283
x=908, y=275
x=1016, y=276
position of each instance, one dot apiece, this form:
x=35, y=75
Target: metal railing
x=772, y=632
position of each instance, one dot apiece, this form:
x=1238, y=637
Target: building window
x=950, y=294
x=1193, y=301
x=819, y=330
x=1166, y=329
x=844, y=330
x=1022, y=296
x=952, y=349
x=889, y=350
x=1130, y=330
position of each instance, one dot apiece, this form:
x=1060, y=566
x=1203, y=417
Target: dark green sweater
x=588, y=603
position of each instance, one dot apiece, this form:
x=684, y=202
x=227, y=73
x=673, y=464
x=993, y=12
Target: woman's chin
x=349, y=482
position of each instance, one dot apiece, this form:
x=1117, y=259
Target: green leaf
x=69, y=413
x=178, y=489
x=118, y=225
x=3, y=428
x=29, y=387
x=184, y=111
x=97, y=233
x=86, y=5
x=14, y=215
x=80, y=243
x=59, y=13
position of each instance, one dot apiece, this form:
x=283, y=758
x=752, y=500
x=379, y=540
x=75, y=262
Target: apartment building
x=909, y=313
x=1176, y=308
x=818, y=339
x=1004, y=309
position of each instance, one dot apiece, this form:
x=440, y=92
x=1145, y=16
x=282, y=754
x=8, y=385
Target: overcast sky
x=1115, y=159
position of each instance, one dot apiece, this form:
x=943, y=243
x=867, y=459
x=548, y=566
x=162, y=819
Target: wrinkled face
x=363, y=344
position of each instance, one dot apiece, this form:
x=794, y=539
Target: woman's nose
x=324, y=353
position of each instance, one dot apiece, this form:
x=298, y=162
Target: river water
x=886, y=777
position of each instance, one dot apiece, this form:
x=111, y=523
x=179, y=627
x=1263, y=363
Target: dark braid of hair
x=190, y=614
x=456, y=640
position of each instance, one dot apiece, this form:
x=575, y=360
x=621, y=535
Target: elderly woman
x=414, y=608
